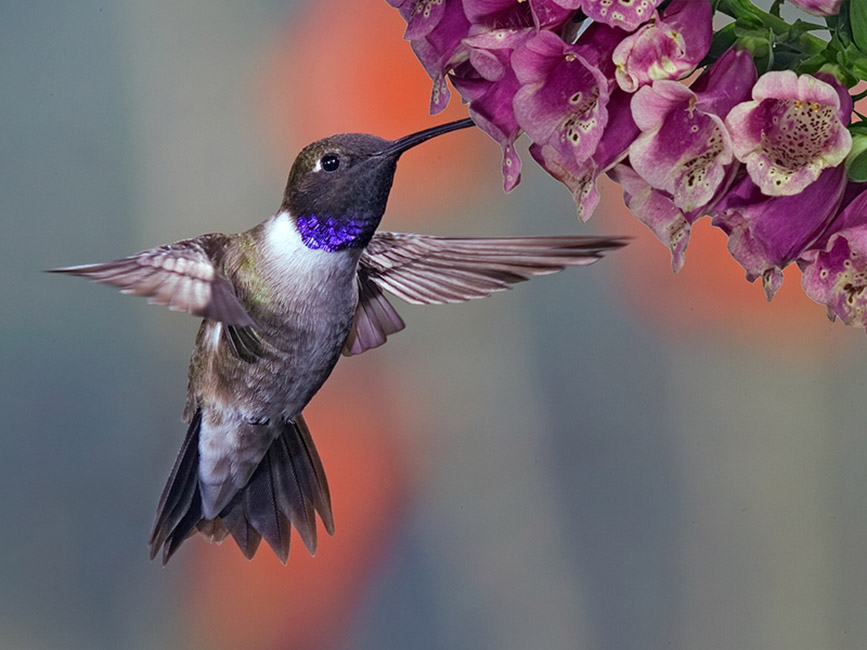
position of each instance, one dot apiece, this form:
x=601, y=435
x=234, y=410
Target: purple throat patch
x=332, y=235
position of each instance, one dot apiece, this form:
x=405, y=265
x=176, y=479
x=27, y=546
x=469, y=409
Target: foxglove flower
x=819, y=7
x=684, y=148
x=657, y=210
x=626, y=14
x=668, y=47
x=793, y=129
x=509, y=14
x=421, y=16
x=835, y=272
x=435, y=30
x=563, y=100
x=767, y=233
x=488, y=82
x=580, y=175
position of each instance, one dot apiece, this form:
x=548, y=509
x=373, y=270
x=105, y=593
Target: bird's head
x=347, y=178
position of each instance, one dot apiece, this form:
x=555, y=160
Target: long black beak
x=397, y=147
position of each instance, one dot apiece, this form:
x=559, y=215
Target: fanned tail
x=287, y=488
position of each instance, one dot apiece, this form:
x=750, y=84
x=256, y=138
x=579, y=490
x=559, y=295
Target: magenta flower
x=562, y=100
x=489, y=84
x=436, y=30
x=512, y=14
x=626, y=14
x=666, y=48
x=421, y=16
x=767, y=233
x=684, y=148
x=834, y=273
x=819, y=7
x=657, y=210
x=580, y=175
x=794, y=128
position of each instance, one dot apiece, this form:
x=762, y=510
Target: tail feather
x=308, y=468
x=287, y=488
x=181, y=489
x=291, y=497
x=235, y=518
x=262, y=508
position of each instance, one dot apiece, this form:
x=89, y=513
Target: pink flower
x=580, y=175
x=626, y=14
x=435, y=30
x=657, y=210
x=509, y=14
x=488, y=82
x=562, y=100
x=834, y=273
x=666, y=48
x=767, y=233
x=793, y=129
x=819, y=7
x=684, y=148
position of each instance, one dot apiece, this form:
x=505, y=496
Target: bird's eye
x=329, y=162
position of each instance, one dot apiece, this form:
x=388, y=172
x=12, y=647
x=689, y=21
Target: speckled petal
x=682, y=150
x=441, y=49
x=562, y=101
x=626, y=14
x=837, y=278
x=656, y=210
x=790, y=132
x=422, y=16
x=491, y=91
x=835, y=272
x=667, y=48
x=766, y=233
x=579, y=177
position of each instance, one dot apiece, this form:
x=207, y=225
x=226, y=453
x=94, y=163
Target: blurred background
x=613, y=457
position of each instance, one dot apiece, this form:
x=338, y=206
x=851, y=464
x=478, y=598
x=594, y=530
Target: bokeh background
x=613, y=457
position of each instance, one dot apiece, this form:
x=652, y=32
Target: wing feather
x=185, y=276
x=426, y=270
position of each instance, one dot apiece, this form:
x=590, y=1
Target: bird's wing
x=375, y=319
x=426, y=270
x=182, y=275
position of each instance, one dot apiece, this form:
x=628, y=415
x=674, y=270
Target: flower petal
x=819, y=7
x=579, y=177
x=626, y=14
x=666, y=48
x=562, y=101
x=789, y=133
x=767, y=233
x=656, y=210
x=682, y=150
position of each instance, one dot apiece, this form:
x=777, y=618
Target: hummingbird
x=279, y=304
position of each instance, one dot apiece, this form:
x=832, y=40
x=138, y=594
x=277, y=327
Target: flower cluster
x=749, y=125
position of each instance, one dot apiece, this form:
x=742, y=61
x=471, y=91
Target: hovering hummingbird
x=280, y=302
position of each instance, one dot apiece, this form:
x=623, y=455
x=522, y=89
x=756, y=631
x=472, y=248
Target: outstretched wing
x=426, y=270
x=182, y=275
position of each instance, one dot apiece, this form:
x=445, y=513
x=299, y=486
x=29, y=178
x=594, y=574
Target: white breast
x=320, y=280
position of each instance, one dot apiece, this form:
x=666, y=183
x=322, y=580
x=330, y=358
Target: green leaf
x=722, y=41
x=858, y=23
x=856, y=161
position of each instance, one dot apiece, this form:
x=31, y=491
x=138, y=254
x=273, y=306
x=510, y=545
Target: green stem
x=744, y=10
